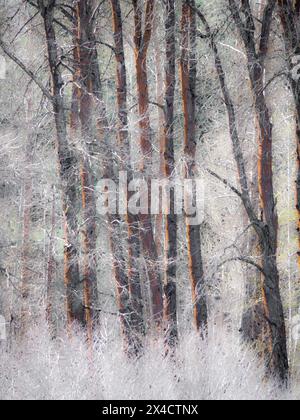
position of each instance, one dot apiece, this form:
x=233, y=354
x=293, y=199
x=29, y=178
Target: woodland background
x=148, y=307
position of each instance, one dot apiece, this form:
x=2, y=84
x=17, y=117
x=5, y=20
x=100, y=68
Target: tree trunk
x=51, y=265
x=170, y=289
x=159, y=219
x=26, y=274
x=266, y=228
x=254, y=325
x=67, y=163
x=142, y=41
x=86, y=170
x=290, y=20
x=132, y=343
x=188, y=68
x=131, y=220
x=273, y=308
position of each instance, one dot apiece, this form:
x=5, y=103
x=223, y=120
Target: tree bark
x=124, y=144
x=160, y=92
x=290, y=20
x=170, y=288
x=87, y=177
x=266, y=228
x=188, y=70
x=68, y=165
x=132, y=342
x=254, y=326
x=26, y=274
x=51, y=265
x=142, y=41
x=272, y=302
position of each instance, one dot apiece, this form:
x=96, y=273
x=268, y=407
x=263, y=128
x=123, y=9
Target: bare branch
x=29, y=73
x=226, y=183
x=244, y=260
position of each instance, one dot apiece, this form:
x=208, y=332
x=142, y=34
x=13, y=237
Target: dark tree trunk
x=142, y=40
x=51, y=266
x=132, y=221
x=68, y=167
x=272, y=302
x=266, y=229
x=188, y=67
x=132, y=342
x=169, y=168
x=160, y=93
x=85, y=54
x=290, y=18
x=26, y=273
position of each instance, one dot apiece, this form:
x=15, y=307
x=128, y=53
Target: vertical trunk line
x=67, y=165
x=134, y=281
x=27, y=205
x=188, y=69
x=168, y=155
x=51, y=266
x=146, y=229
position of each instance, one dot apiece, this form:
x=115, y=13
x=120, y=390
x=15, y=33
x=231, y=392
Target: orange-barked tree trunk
x=188, y=70
x=265, y=228
x=273, y=307
x=142, y=40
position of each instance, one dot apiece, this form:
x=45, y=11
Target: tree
x=27, y=208
x=51, y=264
x=85, y=97
x=68, y=166
x=188, y=68
x=160, y=90
x=256, y=67
x=141, y=42
x=169, y=168
x=290, y=20
x=124, y=145
x=94, y=101
x=266, y=229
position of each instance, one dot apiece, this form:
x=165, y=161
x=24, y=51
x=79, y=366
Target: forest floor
x=64, y=369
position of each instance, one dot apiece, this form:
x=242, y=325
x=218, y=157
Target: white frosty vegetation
x=221, y=368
